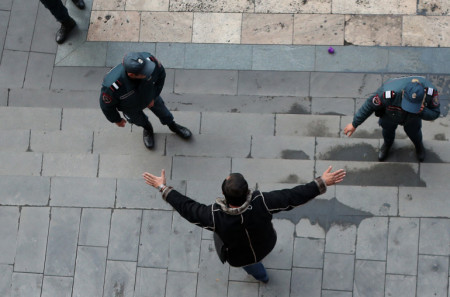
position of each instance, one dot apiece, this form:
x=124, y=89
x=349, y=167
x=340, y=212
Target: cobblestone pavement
x=76, y=219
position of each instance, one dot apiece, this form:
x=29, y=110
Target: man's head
x=138, y=66
x=412, y=97
x=235, y=189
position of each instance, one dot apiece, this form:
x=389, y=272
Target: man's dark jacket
x=247, y=231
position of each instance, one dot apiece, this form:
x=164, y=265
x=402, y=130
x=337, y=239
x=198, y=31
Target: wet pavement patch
x=326, y=213
x=293, y=154
x=356, y=152
x=388, y=175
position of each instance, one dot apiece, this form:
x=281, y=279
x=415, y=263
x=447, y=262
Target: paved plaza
x=254, y=82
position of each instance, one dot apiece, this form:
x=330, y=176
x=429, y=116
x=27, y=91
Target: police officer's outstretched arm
x=372, y=104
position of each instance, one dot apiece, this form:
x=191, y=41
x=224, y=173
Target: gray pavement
x=76, y=219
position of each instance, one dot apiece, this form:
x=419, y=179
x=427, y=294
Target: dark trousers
x=258, y=271
x=139, y=118
x=412, y=127
x=58, y=9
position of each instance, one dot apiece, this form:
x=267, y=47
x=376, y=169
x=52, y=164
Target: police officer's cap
x=137, y=63
x=412, y=97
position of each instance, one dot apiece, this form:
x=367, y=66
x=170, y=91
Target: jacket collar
x=234, y=211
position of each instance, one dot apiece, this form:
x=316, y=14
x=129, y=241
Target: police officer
x=59, y=11
x=132, y=86
x=402, y=101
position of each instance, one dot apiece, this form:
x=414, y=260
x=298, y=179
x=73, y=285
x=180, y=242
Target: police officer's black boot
x=149, y=140
x=181, y=131
x=420, y=151
x=64, y=31
x=384, y=151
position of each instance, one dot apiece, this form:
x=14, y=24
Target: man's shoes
x=181, y=131
x=420, y=152
x=64, y=31
x=384, y=151
x=79, y=3
x=149, y=140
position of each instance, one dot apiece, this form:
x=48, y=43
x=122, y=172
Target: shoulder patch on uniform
x=376, y=100
x=388, y=94
x=106, y=98
x=435, y=101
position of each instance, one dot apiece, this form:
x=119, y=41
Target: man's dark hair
x=235, y=189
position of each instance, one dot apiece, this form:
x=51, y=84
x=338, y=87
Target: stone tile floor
x=313, y=22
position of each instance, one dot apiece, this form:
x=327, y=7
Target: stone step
x=122, y=142
x=133, y=193
x=245, y=124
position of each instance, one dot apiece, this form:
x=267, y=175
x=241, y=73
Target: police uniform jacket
x=119, y=92
x=387, y=102
x=247, y=231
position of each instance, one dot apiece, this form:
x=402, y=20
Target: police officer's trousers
x=139, y=118
x=58, y=10
x=412, y=127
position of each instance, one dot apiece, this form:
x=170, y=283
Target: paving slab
x=341, y=239
x=181, y=284
x=281, y=255
x=66, y=164
x=432, y=278
x=338, y=272
x=14, y=140
x=25, y=190
x=236, y=289
x=81, y=53
x=306, y=282
x=53, y=98
x=308, y=252
x=32, y=240
x=417, y=60
x=120, y=278
x=307, y=125
x=199, y=168
x=25, y=118
x=379, y=201
x=39, y=71
x=217, y=28
x=84, y=192
x=435, y=236
x=9, y=224
x=184, y=246
x=223, y=82
x=12, y=68
x=26, y=284
x=20, y=29
x=124, y=235
x=352, y=149
x=318, y=29
x=62, y=241
x=211, y=56
x=4, y=18
x=204, y=191
x=372, y=239
x=57, y=286
x=269, y=28
x=94, y=227
x=369, y=278
x=330, y=293
x=434, y=174
x=6, y=272
x=246, y=124
x=154, y=249
x=212, y=274
x=4, y=94
x=343, y=84
x=88, y=78
x=90, y=272
x=116, y=50
x=277, y=83
x=403, y=245
x=69, y=143
x=42, y=41
x=210, y=146
x=20, y=163
x=437, y=129
x=135, y=193
x=150, y=282
x=279, y=281
x=400, y=285
x=305, y=228
x=369, y=30
x=273, y=170
x=128, y=166
x=417, y=202
x=333, y=106
x=282, y=147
